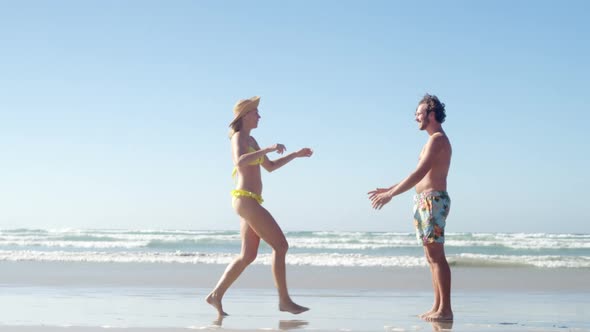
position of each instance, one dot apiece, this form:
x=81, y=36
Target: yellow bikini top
x=258, y=161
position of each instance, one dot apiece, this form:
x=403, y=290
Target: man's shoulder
x=439, y=137
x=439, y=140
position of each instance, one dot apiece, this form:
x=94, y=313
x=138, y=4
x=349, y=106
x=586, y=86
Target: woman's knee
x=281, y=247
x=248, y=257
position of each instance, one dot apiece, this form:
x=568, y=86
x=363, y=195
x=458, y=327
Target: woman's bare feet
x=292, y=307
x=216, y=303
x=219, y=320
x=291, y=324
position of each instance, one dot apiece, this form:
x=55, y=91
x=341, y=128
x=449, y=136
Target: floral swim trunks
x=430, y=216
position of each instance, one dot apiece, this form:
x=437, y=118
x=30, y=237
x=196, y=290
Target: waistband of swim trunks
x=431, y=194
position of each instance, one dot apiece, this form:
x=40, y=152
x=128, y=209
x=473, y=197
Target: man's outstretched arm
x=433, y=146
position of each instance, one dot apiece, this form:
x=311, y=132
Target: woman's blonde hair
x=235, y=127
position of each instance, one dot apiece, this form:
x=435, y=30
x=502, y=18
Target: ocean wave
x=345, y=241
x=102, y=239
x=322, y=259
x=542, y=261
x=329, y=260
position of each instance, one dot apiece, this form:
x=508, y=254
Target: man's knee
x=435, y=253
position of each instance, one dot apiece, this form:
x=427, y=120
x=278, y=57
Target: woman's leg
x=262, y=222
x=250, y=243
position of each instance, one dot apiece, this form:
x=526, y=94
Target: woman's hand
x=279, y=148
x=305, y=152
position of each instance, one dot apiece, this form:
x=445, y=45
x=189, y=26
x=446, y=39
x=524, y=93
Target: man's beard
x=423, y=124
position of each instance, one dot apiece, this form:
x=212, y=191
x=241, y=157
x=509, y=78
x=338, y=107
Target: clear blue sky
x=114, y=114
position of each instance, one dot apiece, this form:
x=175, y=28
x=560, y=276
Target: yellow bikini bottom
x=244, y=193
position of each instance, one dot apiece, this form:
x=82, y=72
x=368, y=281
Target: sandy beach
x=69, y=296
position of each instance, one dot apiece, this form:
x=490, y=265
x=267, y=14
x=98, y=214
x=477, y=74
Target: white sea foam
x=102, y=239
x=322, y=259
x=218, y=258
x=307, y=248
x=544, y=261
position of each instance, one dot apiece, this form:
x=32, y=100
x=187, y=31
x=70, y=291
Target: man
x=431, y=203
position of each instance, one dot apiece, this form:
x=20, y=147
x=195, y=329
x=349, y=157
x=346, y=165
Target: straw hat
x=243, y=106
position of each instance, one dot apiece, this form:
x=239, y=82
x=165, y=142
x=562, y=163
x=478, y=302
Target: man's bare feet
x=292, y=307
x=216, y=303
x=439, y=316
x=442, y=326
x=428, y=313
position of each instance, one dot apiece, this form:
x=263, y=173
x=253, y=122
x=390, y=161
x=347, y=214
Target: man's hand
x=377, y=191
x=379, y=197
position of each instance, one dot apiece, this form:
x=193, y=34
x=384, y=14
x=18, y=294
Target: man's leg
x=441, y=277
x=435, y=288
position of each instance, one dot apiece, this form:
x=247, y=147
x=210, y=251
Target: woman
x=255, y=221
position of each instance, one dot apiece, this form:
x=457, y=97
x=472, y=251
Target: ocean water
x=539, y=250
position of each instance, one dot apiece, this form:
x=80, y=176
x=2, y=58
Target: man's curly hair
x=434, y=105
